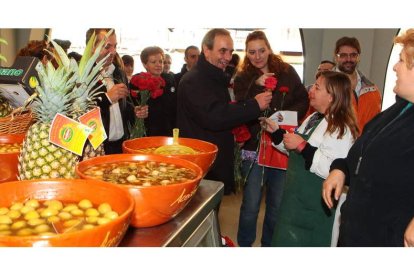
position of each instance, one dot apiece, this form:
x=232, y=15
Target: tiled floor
x=229, y=217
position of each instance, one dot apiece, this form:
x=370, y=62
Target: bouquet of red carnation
x=142, y=87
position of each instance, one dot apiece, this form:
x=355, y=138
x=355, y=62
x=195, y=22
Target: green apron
x=303, y=219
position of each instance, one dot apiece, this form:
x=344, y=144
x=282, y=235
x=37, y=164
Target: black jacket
x=178, y=76
x=162, y=111
x=380, y=171
x=204, y=112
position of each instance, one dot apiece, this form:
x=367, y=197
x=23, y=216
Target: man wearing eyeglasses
x=191, y=54
x=367, y=100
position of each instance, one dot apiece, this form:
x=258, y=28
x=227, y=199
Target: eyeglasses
x=345, y=55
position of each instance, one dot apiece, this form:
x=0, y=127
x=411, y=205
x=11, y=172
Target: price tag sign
x=93, y=120
x=68, y=134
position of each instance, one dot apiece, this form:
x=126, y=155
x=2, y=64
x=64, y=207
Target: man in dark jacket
x=191, y=55
x=115, y=110
x=204, y=110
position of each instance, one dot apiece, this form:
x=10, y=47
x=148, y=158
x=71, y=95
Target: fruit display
x=202, y=153
x=52, y=217
x=63, y=212
x=68, y=90
x=155, y=202
x=10, y=148
x=141, y=173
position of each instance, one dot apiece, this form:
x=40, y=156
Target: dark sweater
x=379, y=169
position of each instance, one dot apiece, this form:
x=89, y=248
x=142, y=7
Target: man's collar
x=358, y=75
x=109, y=71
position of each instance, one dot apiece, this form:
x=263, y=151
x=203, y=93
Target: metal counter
x=196, y=225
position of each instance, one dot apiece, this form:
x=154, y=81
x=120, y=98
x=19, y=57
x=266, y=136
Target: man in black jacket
x=204, y=111
x=116, y=111
x=191, y=55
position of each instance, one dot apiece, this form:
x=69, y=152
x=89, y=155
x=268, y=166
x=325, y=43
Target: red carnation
x=156, y=93
x=147, y=86
x=270, y=83
x=284, y=89
x=241, y=133
x=134, y=93
x=142, y=87
x=141, y=81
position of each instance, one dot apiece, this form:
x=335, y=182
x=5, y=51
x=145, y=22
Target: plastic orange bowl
x=71, y=190
x=154, y=205
x=9, y=161
x=205, y=158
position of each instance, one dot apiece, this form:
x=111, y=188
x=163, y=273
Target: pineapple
x=67, y=90
x=5, y=107
x=90, y=152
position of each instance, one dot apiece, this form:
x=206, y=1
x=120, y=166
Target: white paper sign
x=285, y=117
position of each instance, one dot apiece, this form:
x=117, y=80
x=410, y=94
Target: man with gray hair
x=204, y=110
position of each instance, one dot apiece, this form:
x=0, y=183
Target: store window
x=131, y=41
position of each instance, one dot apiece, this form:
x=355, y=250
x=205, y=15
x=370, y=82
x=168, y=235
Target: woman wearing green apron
x=327, y=134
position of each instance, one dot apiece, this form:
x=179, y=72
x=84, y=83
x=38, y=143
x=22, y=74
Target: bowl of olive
x=63, y=212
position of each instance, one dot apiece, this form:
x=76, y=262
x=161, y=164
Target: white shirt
x=116, y=129
x=329, y=147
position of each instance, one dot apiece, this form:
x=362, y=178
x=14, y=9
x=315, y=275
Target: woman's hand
x=334, y=182
x=261, y=80
x=292, y=140
x=409, y=235
x=268, y=124
x=141, y=111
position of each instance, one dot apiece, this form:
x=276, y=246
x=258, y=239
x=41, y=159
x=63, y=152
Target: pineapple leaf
x=63, y=57
x=87, y=53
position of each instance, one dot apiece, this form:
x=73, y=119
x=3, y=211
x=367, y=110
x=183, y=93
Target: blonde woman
x=379, y=209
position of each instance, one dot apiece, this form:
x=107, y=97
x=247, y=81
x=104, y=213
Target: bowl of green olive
x=63, y=212
x=161, y=186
